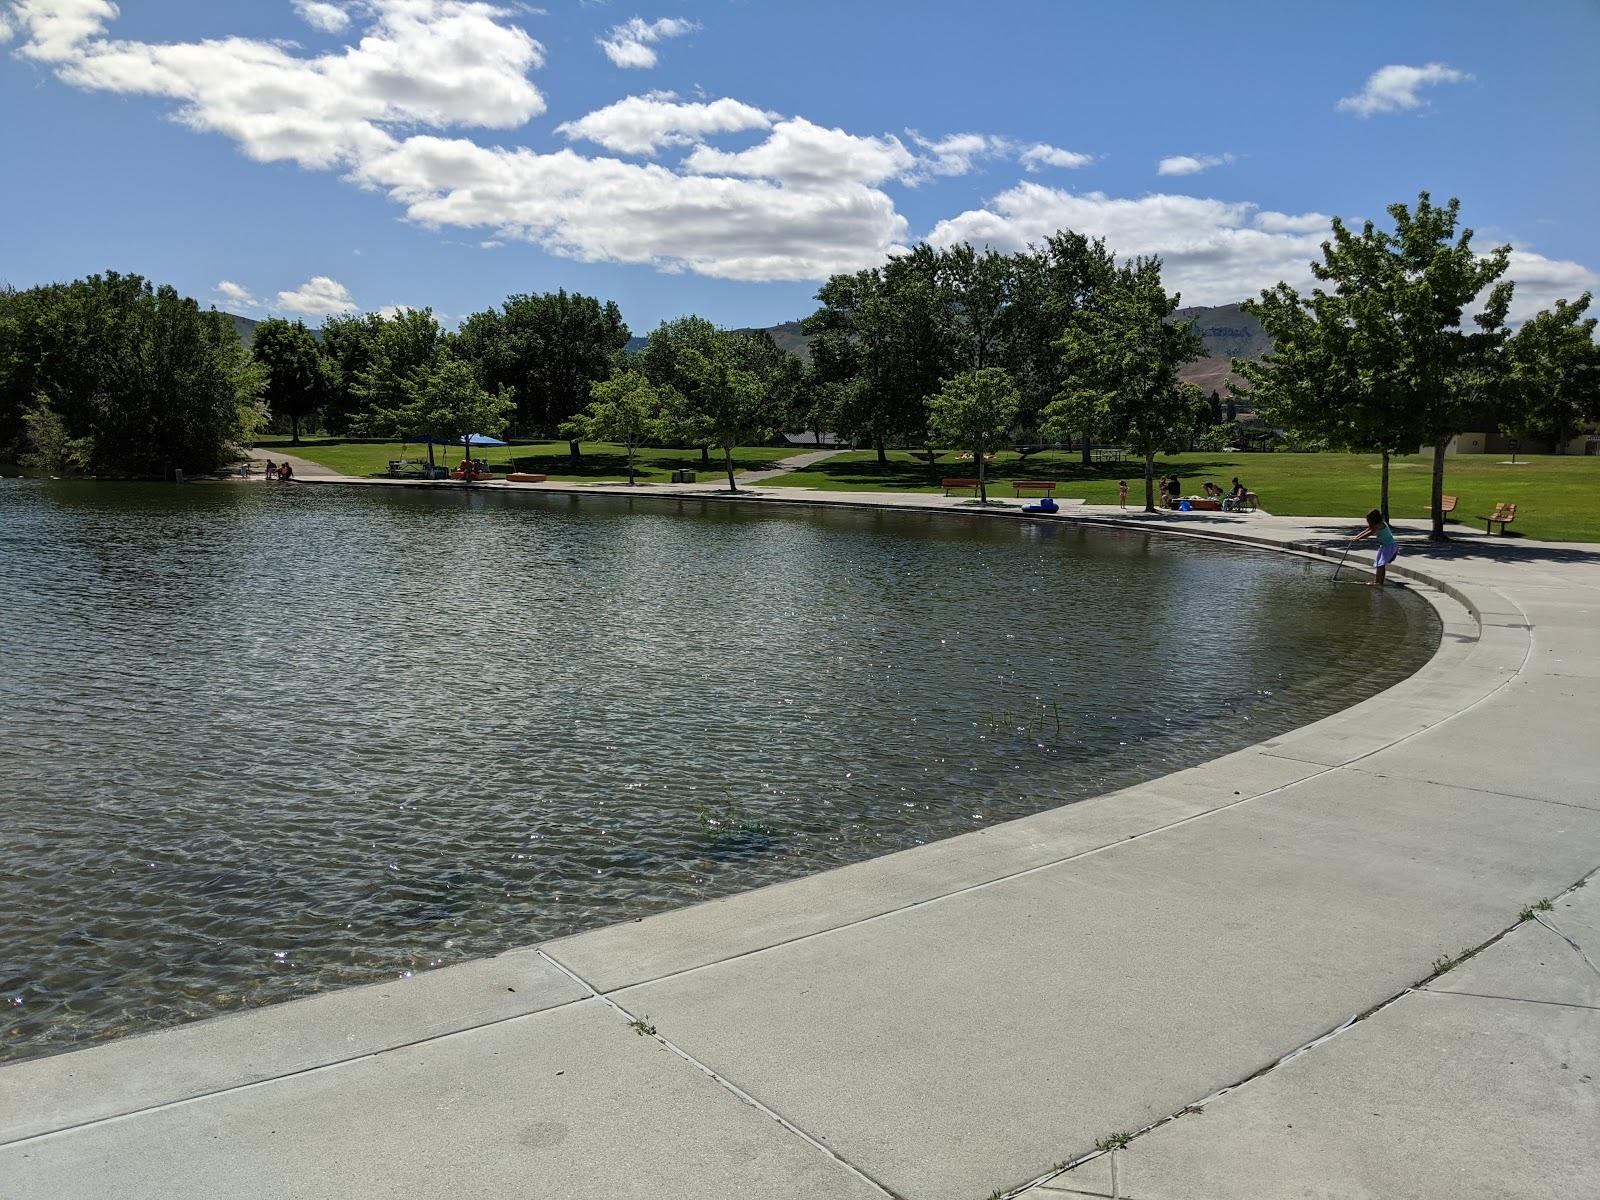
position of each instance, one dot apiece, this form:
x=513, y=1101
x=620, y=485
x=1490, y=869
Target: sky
x=305, y=157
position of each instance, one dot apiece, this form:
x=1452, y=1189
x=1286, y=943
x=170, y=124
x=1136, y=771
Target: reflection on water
x=260, y=742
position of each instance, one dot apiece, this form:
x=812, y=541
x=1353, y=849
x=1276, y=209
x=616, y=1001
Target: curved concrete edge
x=166, y=1067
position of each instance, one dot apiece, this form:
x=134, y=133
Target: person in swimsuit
x=1387, y=546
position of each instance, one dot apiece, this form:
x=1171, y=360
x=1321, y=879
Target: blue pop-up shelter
x=466, y=442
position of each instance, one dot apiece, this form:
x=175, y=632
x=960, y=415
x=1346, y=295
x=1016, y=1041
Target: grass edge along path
x=1558, y=496
x=600, y=462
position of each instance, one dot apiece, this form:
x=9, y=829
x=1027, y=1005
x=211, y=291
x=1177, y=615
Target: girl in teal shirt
x=1387, y=546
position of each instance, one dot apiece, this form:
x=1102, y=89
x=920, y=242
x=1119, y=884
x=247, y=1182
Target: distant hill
x=245, y=326
x=786, y=336
x=1227, y=332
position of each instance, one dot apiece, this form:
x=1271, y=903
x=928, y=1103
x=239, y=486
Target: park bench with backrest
x=947, y=484
x=1502, y=516
x=1044, y=486
x=1447, y=504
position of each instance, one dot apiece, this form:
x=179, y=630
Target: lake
x=257, y=742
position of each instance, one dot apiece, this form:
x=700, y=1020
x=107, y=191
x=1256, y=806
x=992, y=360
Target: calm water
x=257, y=742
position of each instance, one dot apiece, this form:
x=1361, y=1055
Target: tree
x=976, y=409
x=663, y=360
x=442, y=401
x=886, y=332
x=1383, y=359
x=548, y=350
x=134, y=378
x=722, y=403
x=626, y=409
x=347, y=347
x=402, y=350
x=294, y=374
x=1122, y=358
x=1054, y=283
x=1556, y=370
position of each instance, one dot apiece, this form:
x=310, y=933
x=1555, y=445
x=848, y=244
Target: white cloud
x=7, y=31
x=1041, y=155
x=643, y=124
x=56, y=30
x=605, y=209
x=629, y=45
x=422, y=62
x=318, y=296
x=954, y=155
x=1394, y=88
x=236, y=294
x=1190, y=164
x=800, y=154
x=1214, y=251
x=1542, y=281
x=329, y=18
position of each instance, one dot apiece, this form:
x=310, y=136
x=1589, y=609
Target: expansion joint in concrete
x=641, y=1024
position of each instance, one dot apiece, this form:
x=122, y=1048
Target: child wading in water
x=1387, y=546
x=1122, y=493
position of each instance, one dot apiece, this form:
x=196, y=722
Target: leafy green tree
x=441, y=401
x=722, y=403
x=888, y=333
x=548, y=350
x=978, y=410
x=347, y=345
x=293, y=368
x=1055, y=281
x=137, y=379
x=402, y=350
x=626, y=409
x=1556, y=370
x=1384, y=359
x=1122, y=358
x=663, y=361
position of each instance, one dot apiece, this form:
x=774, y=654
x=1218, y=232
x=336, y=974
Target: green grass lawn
x=600, y=462
x=1558, y=496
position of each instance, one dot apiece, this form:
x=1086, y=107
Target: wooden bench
x=1447, y=504
x=974, y=484
x=1502, y=516
x=1047, y=486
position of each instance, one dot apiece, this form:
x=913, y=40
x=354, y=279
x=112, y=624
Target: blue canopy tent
x=466, y=442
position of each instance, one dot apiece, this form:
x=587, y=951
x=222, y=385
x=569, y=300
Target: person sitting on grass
x=1387, y=546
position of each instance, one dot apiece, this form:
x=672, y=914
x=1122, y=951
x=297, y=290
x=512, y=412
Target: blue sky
x=299, y=157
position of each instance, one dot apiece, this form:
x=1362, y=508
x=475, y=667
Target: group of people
x=1170, y=489
x=279, y=471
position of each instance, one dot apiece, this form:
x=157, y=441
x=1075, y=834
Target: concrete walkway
x=978, y=1013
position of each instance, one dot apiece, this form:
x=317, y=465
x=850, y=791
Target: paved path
x=798, y=462
x=961, y=1017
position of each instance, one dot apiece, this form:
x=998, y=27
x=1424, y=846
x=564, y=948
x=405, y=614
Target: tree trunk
x=1438, y=533
x=574, y=451
x=1383, y=488
x=983, y=479
x=1088, y=450
x=1150, y=481
x=705, y=455
x=1561, y=429
x=883, y=453
x=727, y=454
x=630, y=465
x=294, y=428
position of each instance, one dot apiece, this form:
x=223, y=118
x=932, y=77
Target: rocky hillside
x=1227, y=332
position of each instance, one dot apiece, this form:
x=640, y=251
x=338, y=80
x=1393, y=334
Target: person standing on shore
x=1122, y=493
x=1388, y=548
